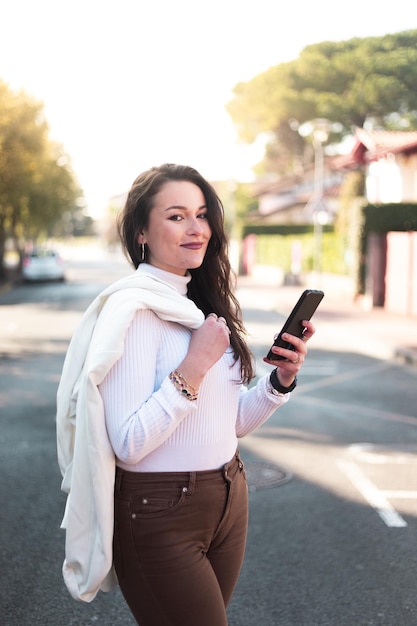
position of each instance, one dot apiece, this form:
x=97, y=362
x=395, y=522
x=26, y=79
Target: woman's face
x=178, y=232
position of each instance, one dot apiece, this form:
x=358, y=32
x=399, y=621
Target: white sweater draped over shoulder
x=85, y=455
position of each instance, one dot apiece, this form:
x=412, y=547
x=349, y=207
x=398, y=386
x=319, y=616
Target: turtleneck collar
x=180, y=283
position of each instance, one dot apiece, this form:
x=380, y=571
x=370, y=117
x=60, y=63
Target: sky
x=130, y=84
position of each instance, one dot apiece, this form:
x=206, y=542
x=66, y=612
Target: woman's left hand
x=290, y=365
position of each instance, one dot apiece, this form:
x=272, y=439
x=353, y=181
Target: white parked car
x=42, y=265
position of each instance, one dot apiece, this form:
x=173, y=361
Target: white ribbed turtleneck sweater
x=151, y=427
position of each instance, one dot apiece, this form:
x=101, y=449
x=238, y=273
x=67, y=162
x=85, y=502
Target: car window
x=42, y=254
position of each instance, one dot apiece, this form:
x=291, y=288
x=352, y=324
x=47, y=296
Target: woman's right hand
x=207, y=345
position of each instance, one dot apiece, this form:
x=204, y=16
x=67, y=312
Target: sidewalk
x=341, y=324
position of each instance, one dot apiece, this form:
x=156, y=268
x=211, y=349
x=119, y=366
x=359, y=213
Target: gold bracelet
x=183, y=386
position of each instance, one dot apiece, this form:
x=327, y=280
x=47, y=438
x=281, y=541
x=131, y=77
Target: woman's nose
x=196, y=225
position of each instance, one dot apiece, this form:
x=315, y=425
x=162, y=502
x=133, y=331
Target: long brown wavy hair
x=212, y=282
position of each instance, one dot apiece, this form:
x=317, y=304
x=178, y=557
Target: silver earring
x=142, y=256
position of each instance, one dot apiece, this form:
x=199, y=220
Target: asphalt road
x=333, y=481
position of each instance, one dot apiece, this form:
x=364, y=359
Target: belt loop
x=191, y=483
x=226, y=476
x=240, y=463
x=118, y=480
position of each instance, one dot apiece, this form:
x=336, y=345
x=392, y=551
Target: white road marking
x=400, y=495
x=380, y=454
x=372, y=495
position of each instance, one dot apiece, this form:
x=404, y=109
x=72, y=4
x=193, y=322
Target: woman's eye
x=178, y=217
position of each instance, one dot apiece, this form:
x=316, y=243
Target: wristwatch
x=275, y=386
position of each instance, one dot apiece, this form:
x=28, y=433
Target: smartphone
x=303, y=310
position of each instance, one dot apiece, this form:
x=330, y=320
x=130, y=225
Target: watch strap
x=273, y=379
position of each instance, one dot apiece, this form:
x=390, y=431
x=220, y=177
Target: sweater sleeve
x=142, y=411
x=256, y=405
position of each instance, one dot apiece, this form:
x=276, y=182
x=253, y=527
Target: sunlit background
x=133, y=83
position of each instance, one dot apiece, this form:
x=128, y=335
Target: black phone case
x=303, y=310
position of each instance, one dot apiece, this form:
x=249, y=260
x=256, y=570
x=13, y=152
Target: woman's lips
x=192, y=246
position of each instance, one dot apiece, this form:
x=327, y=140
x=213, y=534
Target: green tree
x=37, y=186
x=347, y=82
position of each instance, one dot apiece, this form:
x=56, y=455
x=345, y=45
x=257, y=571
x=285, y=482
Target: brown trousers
x=179, y=543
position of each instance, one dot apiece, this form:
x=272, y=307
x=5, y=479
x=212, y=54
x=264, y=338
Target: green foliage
x=276, y=250
x=238, y=201
x=262, y=103
x=37, y=185
x=277, y=229
x=346, y=82
x=383, y=218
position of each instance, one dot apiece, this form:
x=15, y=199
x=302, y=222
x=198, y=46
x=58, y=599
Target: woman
x=168, y=402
